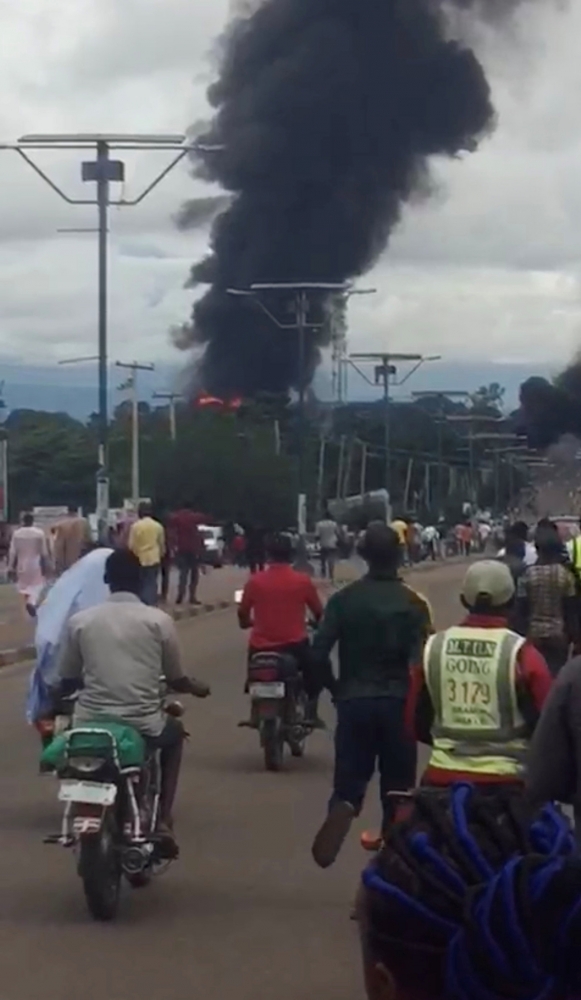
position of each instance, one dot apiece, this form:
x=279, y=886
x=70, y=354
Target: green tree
x=488, y=398
x=51, y=460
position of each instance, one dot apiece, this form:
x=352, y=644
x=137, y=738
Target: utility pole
x=4, y=413
x=496, y=439
x=441, y=396
x=299, y=293
x=383, y=376
x=172, y=398
x=103, y=171
x=471, y=419
x=131, y=385
x=363, y=482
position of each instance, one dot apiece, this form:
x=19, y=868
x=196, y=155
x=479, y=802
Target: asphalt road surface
x=244, y=913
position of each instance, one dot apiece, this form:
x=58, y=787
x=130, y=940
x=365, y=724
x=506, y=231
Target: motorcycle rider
x=118, y=652
x=274, y=605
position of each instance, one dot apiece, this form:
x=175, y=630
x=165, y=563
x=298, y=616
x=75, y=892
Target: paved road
x=244, y=914
x=17, y=628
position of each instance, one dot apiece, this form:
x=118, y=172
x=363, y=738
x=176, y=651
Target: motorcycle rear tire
x=100, y=871
x=273, y=745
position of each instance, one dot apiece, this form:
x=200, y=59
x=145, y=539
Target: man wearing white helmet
x=479, y=691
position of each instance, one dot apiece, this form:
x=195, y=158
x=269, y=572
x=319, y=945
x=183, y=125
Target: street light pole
x=102, y=204
x=131, y=384
x=441, y=396
x=103, y=171
x=471, y=419
x=383, y=372
x=497, y=439
x=4, y=498
x=171, y=398
x=300, y=293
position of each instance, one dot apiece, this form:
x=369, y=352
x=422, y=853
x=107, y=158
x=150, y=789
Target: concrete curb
x=9, y=657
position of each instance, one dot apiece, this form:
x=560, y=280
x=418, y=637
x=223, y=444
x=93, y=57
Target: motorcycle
x=278, y=705
x=111, y=813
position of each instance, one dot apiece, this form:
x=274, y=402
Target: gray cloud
x=488, y=267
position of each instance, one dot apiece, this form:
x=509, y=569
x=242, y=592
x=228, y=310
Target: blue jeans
x=371, y=732
x=149, y=578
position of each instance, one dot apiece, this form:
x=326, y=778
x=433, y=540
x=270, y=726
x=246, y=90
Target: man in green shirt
x=380, y=625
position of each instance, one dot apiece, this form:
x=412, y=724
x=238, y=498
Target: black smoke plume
x=328, y=111
x=551, y=409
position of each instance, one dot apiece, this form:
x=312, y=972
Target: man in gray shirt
x=118, y=652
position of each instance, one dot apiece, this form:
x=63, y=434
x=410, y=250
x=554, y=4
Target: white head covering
x=82, y=586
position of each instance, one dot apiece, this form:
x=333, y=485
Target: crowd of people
x=36, y=557
x=474, y=889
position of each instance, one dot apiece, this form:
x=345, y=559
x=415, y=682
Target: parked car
x=213, y=539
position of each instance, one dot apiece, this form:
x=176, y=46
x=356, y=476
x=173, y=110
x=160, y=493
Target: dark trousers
x=555, y=652
x=371, y=733
x=256, y=563
x=328, y=560
x=171, y=743
x=165, y=569
x=149, y=576
x=189, y=572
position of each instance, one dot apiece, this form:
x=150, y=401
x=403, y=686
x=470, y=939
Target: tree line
x=244, y=466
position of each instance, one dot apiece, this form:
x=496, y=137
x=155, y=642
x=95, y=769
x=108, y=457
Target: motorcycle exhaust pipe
x=136, y=859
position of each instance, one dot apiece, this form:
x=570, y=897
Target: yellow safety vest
x=576, y=554
x=471, y=677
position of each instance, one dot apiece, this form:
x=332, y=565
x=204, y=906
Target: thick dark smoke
x=200, y=211
x=551, y=409
x=328, y=111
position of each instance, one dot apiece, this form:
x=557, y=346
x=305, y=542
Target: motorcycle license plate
x=92, y=793
x=267, y=690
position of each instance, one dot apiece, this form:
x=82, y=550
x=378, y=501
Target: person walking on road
x=514, y=553
x=147, y=542
x=430, y=541
x=327, y=531
x=547, y=602
x=28, y=560
x=380, y=625
x=478, y=693
x=186, y=545
x=72, y=540
x=256, y=548
x=574, y=552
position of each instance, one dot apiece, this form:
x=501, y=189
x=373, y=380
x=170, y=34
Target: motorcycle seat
x=284, y=663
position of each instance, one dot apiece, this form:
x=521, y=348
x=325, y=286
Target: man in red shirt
x=274, y=605
x=186, y=545
x=463, y=685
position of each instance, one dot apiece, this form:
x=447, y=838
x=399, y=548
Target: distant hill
x=74, y=389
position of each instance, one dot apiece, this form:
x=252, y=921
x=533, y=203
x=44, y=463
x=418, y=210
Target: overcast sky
x=487, y=270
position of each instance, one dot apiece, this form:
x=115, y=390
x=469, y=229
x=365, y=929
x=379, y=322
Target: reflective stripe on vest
x=471, y=677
